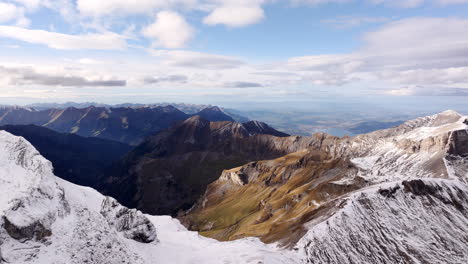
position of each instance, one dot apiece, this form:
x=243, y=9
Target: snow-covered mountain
x=47, y=220
x=393, y=196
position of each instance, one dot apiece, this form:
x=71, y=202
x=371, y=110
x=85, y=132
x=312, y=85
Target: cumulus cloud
x=11, y=13
x=92, y=41
x=27, y=75
x=242, y=85
x=235, y=15
x=30, y=4
x=198, y=60
x=170, y=30
x=166, y=79
x=410, y=51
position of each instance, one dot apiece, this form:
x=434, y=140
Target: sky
x=210, y=51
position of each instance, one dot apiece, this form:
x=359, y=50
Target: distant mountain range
x=189, y=109
x=128, y=125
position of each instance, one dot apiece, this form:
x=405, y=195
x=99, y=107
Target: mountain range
x=398, y=195
x=129, y=125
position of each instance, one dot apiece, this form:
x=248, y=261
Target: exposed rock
x=35, y=230
x=131, y=222
x=418, y=187
x=236, y=177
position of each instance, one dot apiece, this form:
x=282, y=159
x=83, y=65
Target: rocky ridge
x=274, y=199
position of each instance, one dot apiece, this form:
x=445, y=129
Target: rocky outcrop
x=31, y=201
x=131, y=222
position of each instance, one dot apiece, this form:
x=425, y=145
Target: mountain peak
x=257, y=127
x=450, y=112
x=213, y=108
x=197, y=121
x=214, y=113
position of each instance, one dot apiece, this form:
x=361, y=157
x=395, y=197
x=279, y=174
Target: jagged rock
x=35, y=230
x=236, y=177
x=131, y=222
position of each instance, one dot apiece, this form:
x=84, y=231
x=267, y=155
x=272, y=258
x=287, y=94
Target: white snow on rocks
x=419, y=221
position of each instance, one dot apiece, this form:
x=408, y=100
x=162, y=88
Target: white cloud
x=427, y=91
x=28, y=75
x=126, y=7
x=318, y=2
x=197, y=60
x=417, y=51
x=95, y=41
x=30, y=4
x=8, y=12
x=170, y=30
x=88, y=61
x=235, y=15
x=420, y=43
x=11, y=13
x=400, y=3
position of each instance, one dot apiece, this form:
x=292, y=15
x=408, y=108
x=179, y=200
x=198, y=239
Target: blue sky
x=209, y=51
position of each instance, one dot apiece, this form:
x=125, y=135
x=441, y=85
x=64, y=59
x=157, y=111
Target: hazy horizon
x=233, y=52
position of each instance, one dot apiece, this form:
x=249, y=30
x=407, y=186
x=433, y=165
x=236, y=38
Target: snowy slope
x=418, y=221
x=418, y=148
x=48, y=220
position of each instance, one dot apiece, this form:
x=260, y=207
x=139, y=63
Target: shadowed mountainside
x=170, y=170
x=76, y=159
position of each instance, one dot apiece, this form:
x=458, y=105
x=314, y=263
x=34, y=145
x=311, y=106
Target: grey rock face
x=23, y=222
x=35, y=230
x=131, y=222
